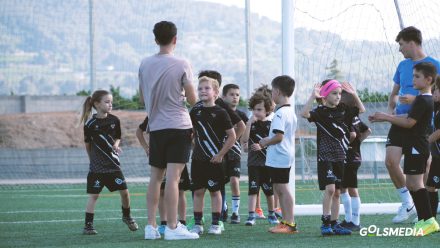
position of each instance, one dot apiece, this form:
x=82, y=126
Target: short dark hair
x=285, y=84
x=427, y=69
x=227, y=87
x=260, y=97
x=212, y=74
x=164, y=32
x=410, y=34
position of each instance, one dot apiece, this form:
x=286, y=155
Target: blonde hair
x=213, y=82
x=89, y=103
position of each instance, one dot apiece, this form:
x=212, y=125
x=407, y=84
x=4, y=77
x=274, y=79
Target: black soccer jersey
x=435, y=147
x=259, y=130
x=354, y=150
x=333, y=130
x=144, y=125
x=235, y=118
x=235, y=152
x=101, y=134
x=421, y=110
x=210, y=124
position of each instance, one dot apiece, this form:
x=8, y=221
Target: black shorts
x=396, y=136
x=113, y=181
x=279, y=175
x=330, y=173
x=259, y=177
x=206, y=175
x=232, y=168
x=184, y=183
x=434, y=173
x=349, y=179
x=170, y=146
x=414, y=164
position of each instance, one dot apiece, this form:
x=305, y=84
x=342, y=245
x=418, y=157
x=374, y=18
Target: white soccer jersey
x=282, y=155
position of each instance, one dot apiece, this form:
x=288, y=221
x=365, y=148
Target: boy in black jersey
x=349, y=192
x=214, y=136
x=416, y=149
x=184, y=183
x=257, y=128
x=239, y=126
x=231, y=95
x=433, y=180
x=102, y=135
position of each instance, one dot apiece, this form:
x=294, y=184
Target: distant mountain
x=44, y=46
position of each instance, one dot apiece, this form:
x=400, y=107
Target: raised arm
x=352, y=91
x=305, y=113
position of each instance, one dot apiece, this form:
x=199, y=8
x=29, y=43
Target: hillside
x=44, y=45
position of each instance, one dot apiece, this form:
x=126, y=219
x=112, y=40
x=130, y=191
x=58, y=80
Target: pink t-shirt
x=161, y=79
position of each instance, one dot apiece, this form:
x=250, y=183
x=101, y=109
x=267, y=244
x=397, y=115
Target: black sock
x=198, y=218
x=89, y=218
x=433, y=199
x=163, y=222
x=333, y=222
x=422, y=203
x=271, y=213
x=325, y=219
x=183, y=222
x=215, y=218
x=126, y=212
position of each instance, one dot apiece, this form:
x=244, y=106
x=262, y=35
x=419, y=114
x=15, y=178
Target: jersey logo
x=96, y=126
x=213, y=115
x=97, y=184
x=198, y=112
x=119, y=181
x=211, y=183
x=436, y=179
x=330, y=173
x=253, y=184
x=408, y=210
x=113, y=126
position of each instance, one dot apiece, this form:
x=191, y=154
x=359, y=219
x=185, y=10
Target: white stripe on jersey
x=208, y=137
x=106, y=154
x=342, y=146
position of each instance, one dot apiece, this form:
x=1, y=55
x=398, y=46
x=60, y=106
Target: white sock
x=346, y=201
x=356, y=207
x=405, y=196
x=235, y=204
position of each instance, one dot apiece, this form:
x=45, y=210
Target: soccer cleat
x=350, y=226
x=428, y=226
x=197, y=229
x=161, y=229
x=235, y=218
x=179, y=233
x=190, y=224
x=89, y=229
x=273, y=220
x=339, y=230
x=278, y=213
x=131, y=223
x=259, y=213
x=250, y=221
x=326, y=230
x=404, y=213
x=222, y=225
x=283, y=228
x=151, y=232
x=215, y=229
x=224, y=215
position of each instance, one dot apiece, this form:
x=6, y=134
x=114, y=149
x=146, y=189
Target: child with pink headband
x=333, y=120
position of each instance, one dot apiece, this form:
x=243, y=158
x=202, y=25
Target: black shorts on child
x=184, y=183
x=330, y=173
x=205, y=174
x=396, y=136
x=349, y=179
x=434, y=173
x=259, y=177
x=414, y=164
x=232, y=168
x=113, y=181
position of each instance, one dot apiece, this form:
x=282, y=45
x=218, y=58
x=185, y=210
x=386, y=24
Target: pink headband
x=328, y=87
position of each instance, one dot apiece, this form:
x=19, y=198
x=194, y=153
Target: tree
x=334, y=72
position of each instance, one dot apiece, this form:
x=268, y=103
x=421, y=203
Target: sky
x=379, y=16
